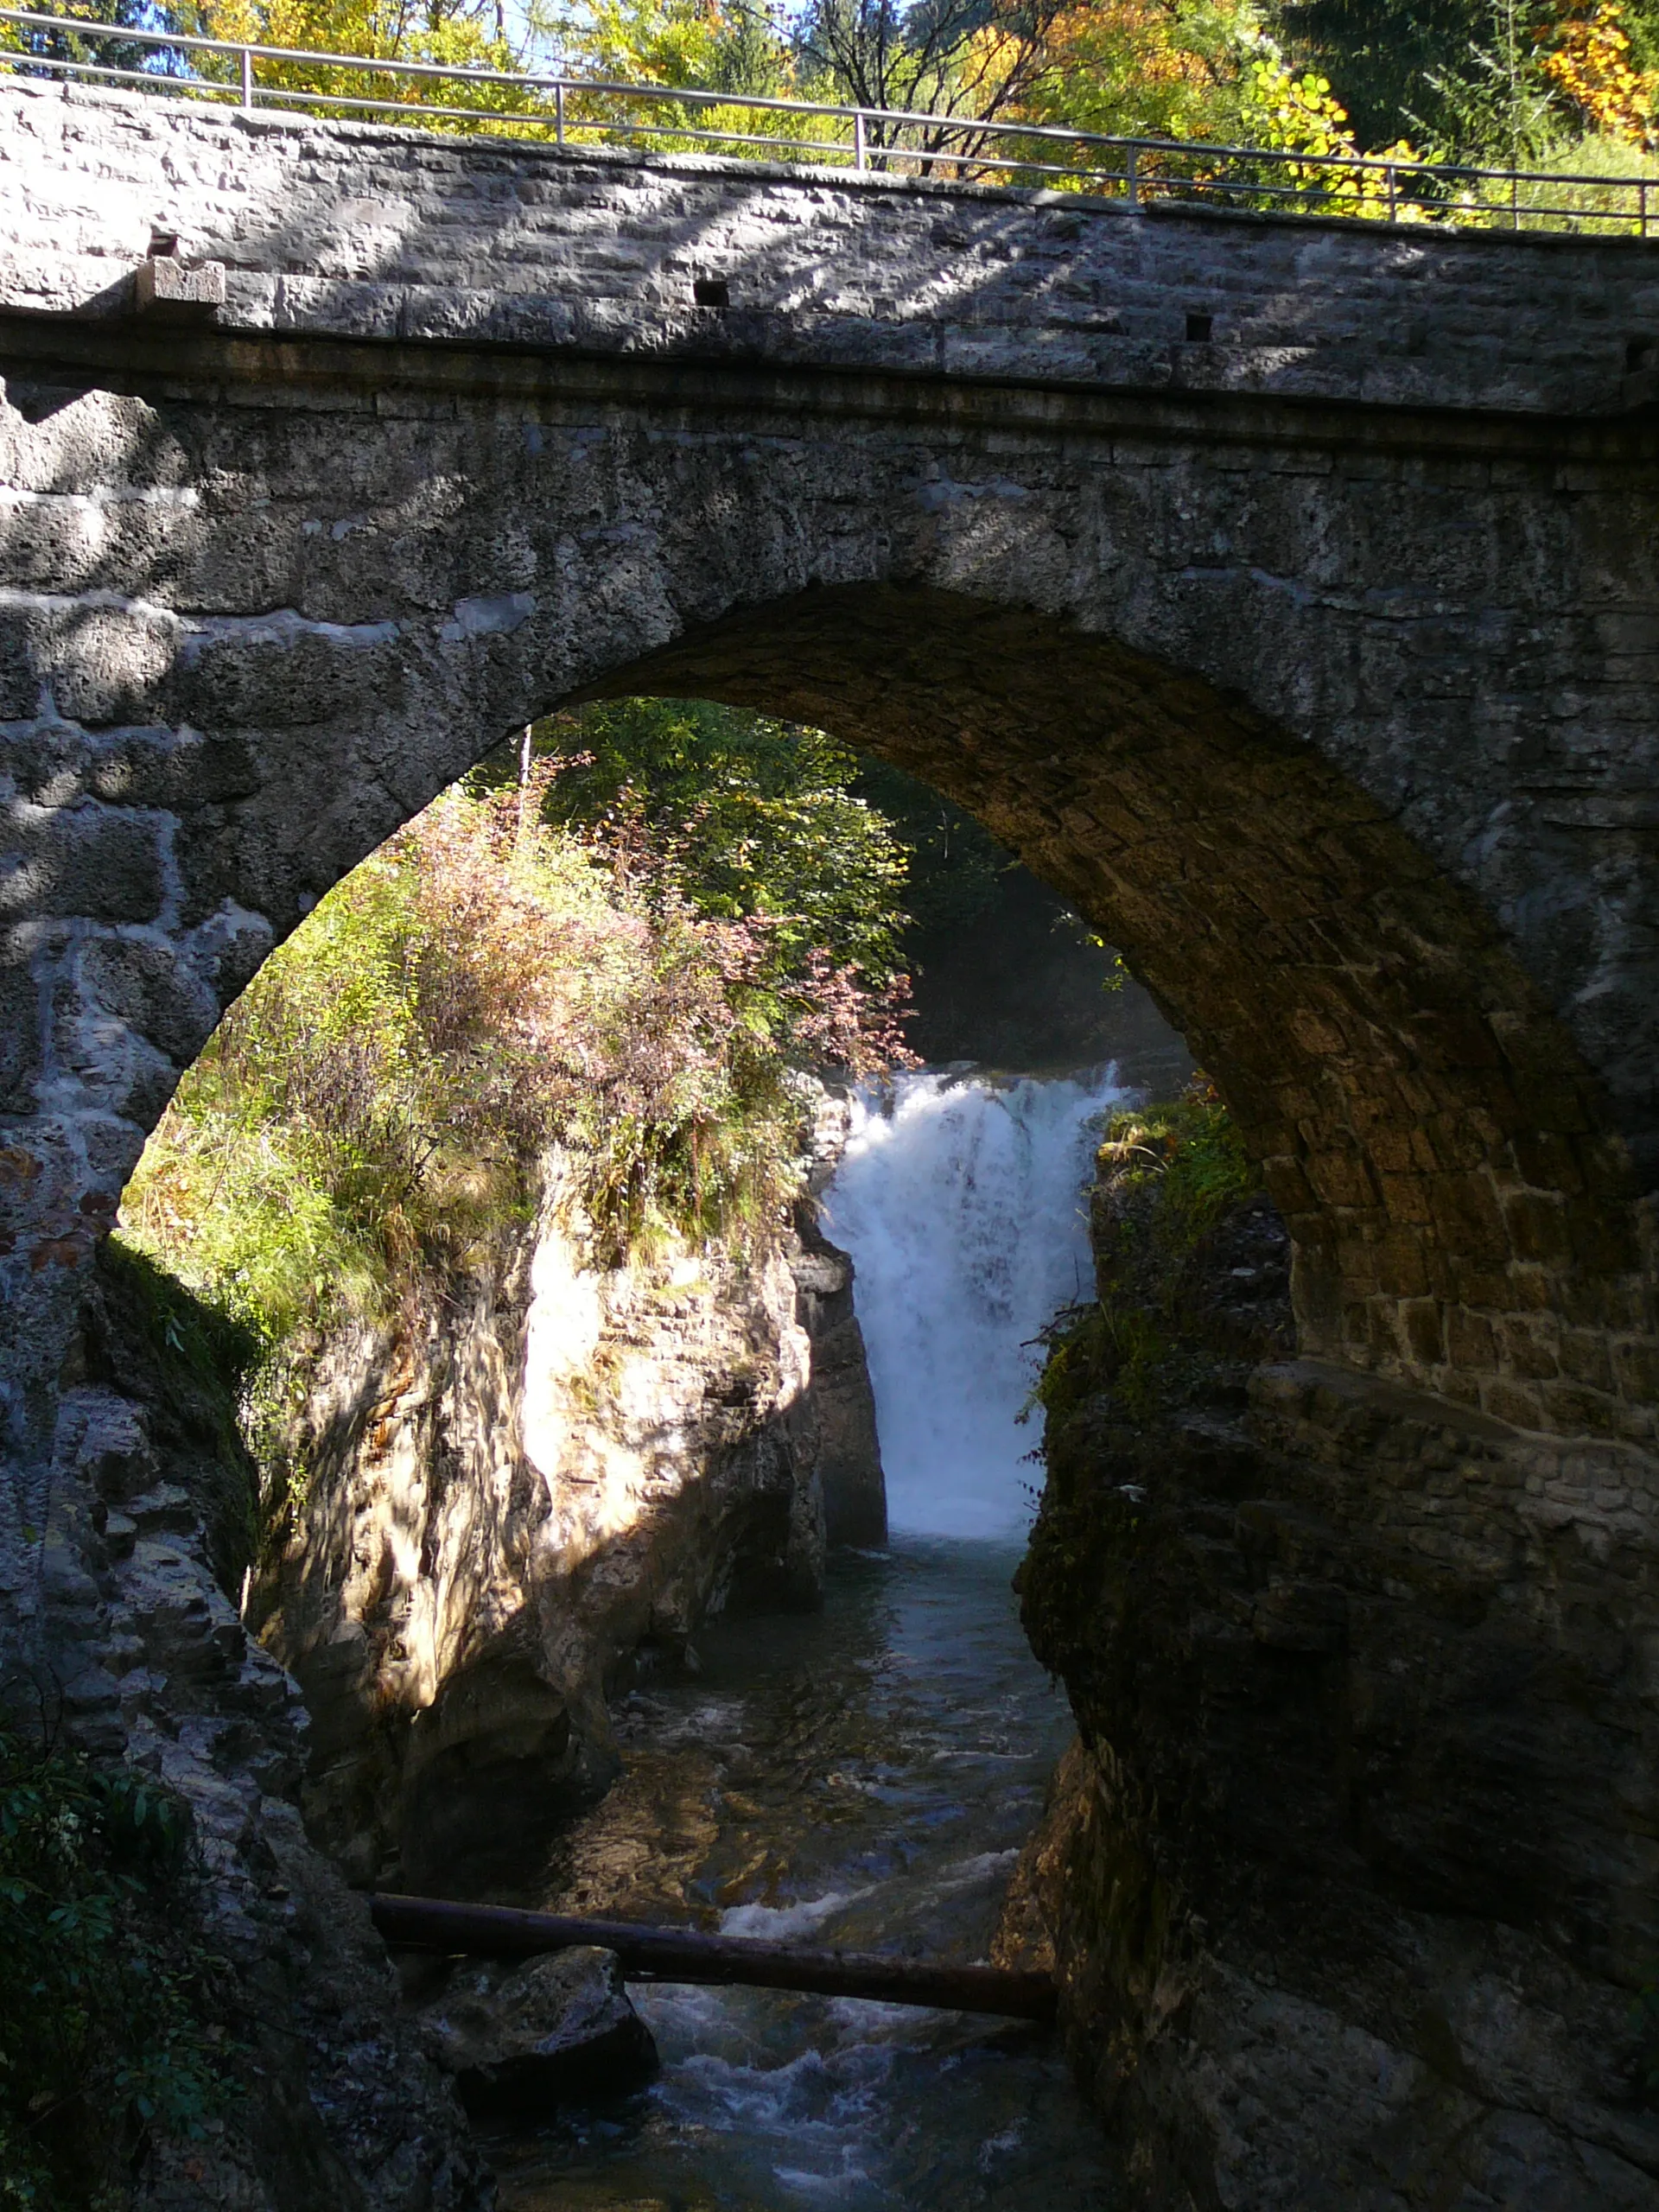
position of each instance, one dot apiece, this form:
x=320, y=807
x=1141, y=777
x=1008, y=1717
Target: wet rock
x=849, y=1452
x=520, y=2039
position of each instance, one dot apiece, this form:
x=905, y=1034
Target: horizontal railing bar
x=971, y=144
x=309, y=97
x=146, y=78
x=548, y=118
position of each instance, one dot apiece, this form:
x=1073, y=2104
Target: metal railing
x=567, y=111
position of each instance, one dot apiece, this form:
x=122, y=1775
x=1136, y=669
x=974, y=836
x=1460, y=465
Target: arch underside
x=1461, y=1212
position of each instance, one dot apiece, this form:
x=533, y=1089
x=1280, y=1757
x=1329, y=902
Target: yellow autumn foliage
x=1589, y=61
x=463, y=36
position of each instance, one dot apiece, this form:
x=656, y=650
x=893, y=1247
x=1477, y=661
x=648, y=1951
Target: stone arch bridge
x=1285, y=592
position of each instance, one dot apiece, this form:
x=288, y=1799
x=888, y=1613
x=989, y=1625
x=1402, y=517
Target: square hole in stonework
x=711, y=292
x=1198, y=329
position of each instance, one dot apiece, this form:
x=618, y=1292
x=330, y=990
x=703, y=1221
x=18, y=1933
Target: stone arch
x=285, y=609
x=1462, y=1214
x=1315, y=661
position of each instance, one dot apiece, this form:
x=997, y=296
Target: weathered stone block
x=1470, y=1342
x=1536, y=1222
x=1586, y=1358
x=1635, y=1369
x=1341, y=1179
x=147, y=986
x=174, y=291
x=1578, y=1409
x=1468, y=1217
x=1424, y=1330
x=1528, y=1350
x=1604, y=1237
x=1519, y=1404
x=1402, y=1267
x=90, y=860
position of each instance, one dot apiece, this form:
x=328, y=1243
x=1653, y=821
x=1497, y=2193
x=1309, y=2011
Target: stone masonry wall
x=350, y=231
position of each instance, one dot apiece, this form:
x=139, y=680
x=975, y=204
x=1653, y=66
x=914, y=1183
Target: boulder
x=520, y=2039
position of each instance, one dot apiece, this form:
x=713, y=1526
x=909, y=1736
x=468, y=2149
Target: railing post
x=1515, y=200
x=1394, y=197
x=558, y=113
x=859, y=151
x=247, y=80
x=1131, y=180
x=1641, y=205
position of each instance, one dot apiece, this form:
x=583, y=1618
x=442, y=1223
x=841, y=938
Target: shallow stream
x=863, y=1777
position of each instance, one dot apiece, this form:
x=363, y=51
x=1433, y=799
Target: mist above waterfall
x=960, y=1198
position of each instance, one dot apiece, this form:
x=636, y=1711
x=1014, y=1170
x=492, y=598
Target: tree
x=721, y=46
x=1495, y=105
x=1603, y=65
x=967, y=61
x=1142, y=68
x=1208, y=70
x=464, y=34
x=1383, y=55
x=954, y=865
x=107, y=52
x=750, y=819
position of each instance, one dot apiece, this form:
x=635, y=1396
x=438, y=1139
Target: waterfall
x=960, y=1200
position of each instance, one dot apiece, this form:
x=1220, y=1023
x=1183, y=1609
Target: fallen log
x=721, y=1961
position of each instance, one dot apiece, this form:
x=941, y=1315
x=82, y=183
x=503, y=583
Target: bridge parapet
x=351, y=231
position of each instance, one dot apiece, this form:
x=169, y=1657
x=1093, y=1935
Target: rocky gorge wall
x=1349, y=1878
x=336, y=2103
x=536, y=1479
x=542, y=1475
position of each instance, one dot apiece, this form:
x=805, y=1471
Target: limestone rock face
x=843, y=1403
x=549, y=1468
x=1350, y=1881
x=521, y=2038
x=338, y=2106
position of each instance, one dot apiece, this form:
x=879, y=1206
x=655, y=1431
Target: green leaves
x=747, y=818
x=1176, y=1170
x=1190, y=1159
x=103, y=1983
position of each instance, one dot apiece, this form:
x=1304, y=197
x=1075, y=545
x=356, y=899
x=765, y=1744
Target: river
x=864, y=1776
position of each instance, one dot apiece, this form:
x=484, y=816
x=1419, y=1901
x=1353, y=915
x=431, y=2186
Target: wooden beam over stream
x=721, y=1961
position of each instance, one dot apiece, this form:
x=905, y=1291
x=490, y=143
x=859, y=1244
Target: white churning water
x=960, y=1200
